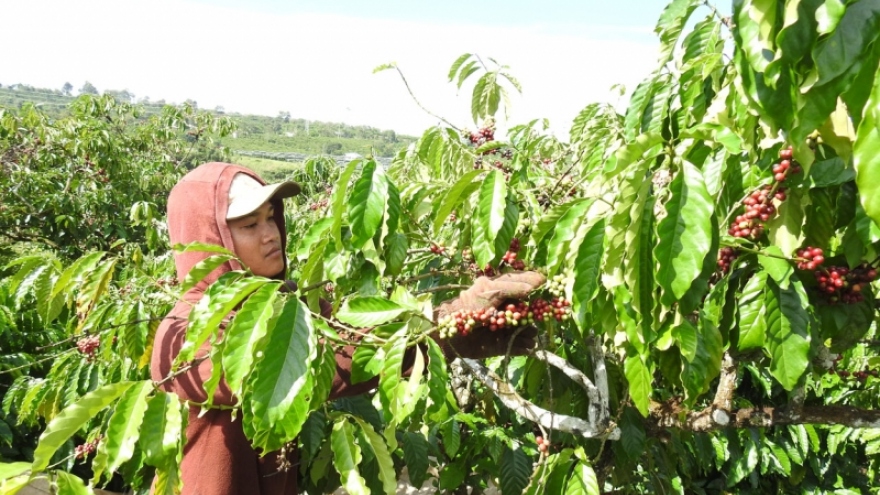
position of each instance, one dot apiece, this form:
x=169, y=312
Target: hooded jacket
x=217, y=458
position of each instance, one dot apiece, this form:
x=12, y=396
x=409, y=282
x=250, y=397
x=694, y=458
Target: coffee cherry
x=726, y=255
x=810, y=258
x=786, y=153
x=88, y=345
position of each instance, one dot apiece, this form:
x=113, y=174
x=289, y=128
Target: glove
x=489, y=293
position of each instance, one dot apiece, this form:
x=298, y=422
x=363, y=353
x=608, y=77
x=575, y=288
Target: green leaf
x=830, y=172
x=508, y=228
x=671, y=22
x=788, y=336
x=550, y=218
x=453, y=197
x=163, y=422
x=347, y=456
x=639, y=378
x=396, y=247
x=340, y=191
x=755, y=22
x=123, y=430
x=587, y=267
x=384, y=67
x=383, y=457
x=366, y=363
x=246, y=330
x=390, y=377
x=685, y=234
x=207, y=315
x=780, y=270
x=844, y=47
x=705, y=366
x=453, y=70
x=785, y=229
x=368, y=311
x=632, y=433
x=71, y=419
x=438, y=382
x=279, y=410
x=366, y=206
x=13, y=469
x=202, y=247
x=202, y=269
x=415, y=455
x=752, y=313
x=516, y=467
x=324, y=371
x=583, y=480
x=70, y=484
x=489, y=216
x=313, y=235
x=451, y=437
x=866, y=154
x=564, y=234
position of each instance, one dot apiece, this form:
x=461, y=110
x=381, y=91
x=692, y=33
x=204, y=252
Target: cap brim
x=244, y=206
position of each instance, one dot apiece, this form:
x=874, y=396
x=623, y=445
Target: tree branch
x=668, y=415
x=530, y=411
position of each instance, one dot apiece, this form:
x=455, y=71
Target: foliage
x=64, y=180
x=707, y=352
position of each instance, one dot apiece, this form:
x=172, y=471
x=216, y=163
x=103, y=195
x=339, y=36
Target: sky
x=315, y=58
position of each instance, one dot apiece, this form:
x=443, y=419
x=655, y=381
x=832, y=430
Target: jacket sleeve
x=189, y=385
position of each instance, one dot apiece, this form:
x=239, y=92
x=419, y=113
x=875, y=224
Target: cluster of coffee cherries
x=510, y=314
x=438, y=248
x=759, y=209
x=726, y=255
x=556, y=285
x=169, y=282
x=814, y=140
x=842, y=285
x=317, y=205
x=543, y=445
x=511, y=254
x=486, y=271
x=860, y=376
x=786, y=165
x=810, y=258
x=88, y=345
x=483, y=136
x=84, y=450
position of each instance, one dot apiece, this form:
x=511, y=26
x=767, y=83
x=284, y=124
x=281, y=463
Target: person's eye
x=250, y=225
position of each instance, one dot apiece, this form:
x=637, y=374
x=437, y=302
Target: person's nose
x=271, y=233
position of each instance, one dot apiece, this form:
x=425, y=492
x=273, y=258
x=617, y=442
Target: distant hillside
x=256, y=133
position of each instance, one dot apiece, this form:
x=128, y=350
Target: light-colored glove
x=490, y=293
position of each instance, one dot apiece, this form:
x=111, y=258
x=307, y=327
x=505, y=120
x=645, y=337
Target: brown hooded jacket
x=217, y=458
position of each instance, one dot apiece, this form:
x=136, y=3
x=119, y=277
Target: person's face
x=257, y=241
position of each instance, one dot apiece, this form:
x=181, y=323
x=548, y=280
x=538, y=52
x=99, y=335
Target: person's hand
x=489, y=293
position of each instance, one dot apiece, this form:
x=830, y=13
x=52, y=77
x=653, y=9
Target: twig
x=50, y=358
x=530, y=411
x=171, y=376
x=440, y=288
x=316, y=285
x=405, y=83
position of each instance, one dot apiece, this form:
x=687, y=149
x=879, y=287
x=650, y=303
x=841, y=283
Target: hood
x=197, y=213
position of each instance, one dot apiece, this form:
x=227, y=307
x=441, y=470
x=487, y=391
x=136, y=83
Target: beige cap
x=246, y=194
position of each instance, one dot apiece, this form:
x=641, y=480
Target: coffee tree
x=707, y=325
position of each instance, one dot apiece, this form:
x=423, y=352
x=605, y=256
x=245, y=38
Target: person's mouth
x=274, y=252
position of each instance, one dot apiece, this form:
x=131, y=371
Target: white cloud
x=315, y=66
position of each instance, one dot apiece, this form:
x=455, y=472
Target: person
x=231, y=206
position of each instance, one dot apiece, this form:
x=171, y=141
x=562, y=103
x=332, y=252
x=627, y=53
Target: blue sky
x=315, y=59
